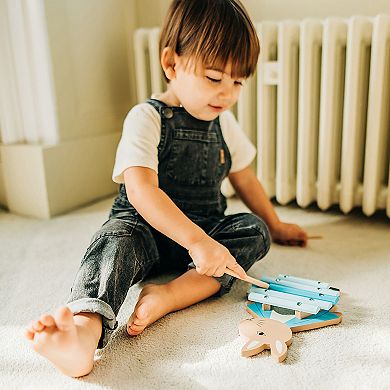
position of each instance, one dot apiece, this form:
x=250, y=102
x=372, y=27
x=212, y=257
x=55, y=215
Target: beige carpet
x=199, y=348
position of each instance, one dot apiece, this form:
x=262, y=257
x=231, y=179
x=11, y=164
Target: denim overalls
x=193, y=161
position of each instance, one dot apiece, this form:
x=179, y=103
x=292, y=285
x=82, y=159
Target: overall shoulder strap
x=157, y=104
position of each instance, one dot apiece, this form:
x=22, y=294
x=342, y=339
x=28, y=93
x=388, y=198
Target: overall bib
x=193, y=161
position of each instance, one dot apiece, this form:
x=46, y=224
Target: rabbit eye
x=260, y=333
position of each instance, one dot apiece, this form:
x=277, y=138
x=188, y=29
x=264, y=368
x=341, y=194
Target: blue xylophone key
x=304, y=293
x=299, y=286
x=309, y=282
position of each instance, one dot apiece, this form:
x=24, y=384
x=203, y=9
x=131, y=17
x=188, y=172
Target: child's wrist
x=196, y=239
x=273, y=226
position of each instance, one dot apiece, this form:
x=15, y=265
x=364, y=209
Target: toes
x=141, y=313
x=35, y=327
x=64, y=319
x=137, y=328
x=30, y=327
x=134, y=319
x=138, y=322
x=136, y=325
x=38, y=326
x=139, y=316
x=131, y=332
x=134, y=330
x=131, y=319
x=47, y=320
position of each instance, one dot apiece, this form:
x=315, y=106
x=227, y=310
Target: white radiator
x=319, y=108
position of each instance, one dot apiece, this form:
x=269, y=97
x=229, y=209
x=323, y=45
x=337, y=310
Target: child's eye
x=238, y=83
x=213, y=80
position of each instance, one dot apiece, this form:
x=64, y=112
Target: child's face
x=205, y=92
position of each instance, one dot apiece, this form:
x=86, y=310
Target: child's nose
x=226, y=93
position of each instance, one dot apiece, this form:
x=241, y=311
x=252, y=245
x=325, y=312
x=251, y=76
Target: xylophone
x=296, y=304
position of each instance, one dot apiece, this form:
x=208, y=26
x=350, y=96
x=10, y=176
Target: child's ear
x=168, y=59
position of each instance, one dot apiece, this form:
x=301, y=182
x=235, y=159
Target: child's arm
x=253, y=195
x=210, y=257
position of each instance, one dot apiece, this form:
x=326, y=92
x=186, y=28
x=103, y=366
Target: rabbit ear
x=252, y=347
x=278, y=350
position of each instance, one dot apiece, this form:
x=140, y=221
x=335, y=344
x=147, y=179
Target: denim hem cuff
x=226, y=282
x=94, y=305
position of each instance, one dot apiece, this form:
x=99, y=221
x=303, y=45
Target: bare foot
x=154, y=302
x=68, y=341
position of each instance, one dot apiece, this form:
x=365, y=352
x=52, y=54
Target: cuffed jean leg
x=121, y=254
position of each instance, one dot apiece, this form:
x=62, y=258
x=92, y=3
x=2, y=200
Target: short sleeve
x=241, y=148
x=139, y=141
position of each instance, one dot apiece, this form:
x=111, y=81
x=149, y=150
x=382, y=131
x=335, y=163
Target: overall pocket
x=195, y=158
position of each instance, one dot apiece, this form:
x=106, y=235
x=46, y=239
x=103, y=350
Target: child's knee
x=114, y=228
x=262, y=241
x=125, y=244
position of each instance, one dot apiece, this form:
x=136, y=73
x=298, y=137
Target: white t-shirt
x=141, y=136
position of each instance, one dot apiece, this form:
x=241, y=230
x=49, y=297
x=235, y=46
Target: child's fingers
x=281, y=242
x=234, y=266
x=200, y=270
x=203, y=270
x=219, y=271
x=302, y=243
x=296, y=243
x=302, y=236
x=211, y=271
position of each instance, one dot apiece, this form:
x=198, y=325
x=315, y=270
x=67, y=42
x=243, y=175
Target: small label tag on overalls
x=222, y=156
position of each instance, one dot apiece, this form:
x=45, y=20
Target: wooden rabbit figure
x=262, y=333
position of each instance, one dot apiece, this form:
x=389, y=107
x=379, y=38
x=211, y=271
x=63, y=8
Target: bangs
x=214, y=32
x=227, y=38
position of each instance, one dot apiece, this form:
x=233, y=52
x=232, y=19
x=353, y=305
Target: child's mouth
x=216, y=108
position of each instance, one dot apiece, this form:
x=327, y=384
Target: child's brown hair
x=214, y=32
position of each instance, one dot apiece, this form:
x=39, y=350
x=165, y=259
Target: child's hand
x=289, y=234
x=211, y=258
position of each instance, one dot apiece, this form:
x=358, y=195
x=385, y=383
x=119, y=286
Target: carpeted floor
x=199, y=348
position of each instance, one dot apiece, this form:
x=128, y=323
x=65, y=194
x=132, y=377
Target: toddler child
x=175, y=150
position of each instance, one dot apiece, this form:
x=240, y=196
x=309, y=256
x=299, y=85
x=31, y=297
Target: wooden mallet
x=247, y=278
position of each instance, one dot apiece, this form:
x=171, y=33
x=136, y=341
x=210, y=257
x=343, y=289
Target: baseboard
x=44, y=181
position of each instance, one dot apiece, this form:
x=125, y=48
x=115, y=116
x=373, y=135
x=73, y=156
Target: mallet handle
x=248, y=279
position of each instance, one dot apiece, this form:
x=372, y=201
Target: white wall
x=299, y=9
x=90, y=57
x=89, y=44
x=150, y=13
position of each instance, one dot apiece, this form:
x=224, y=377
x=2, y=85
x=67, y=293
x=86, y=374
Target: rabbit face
x=264, y=333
